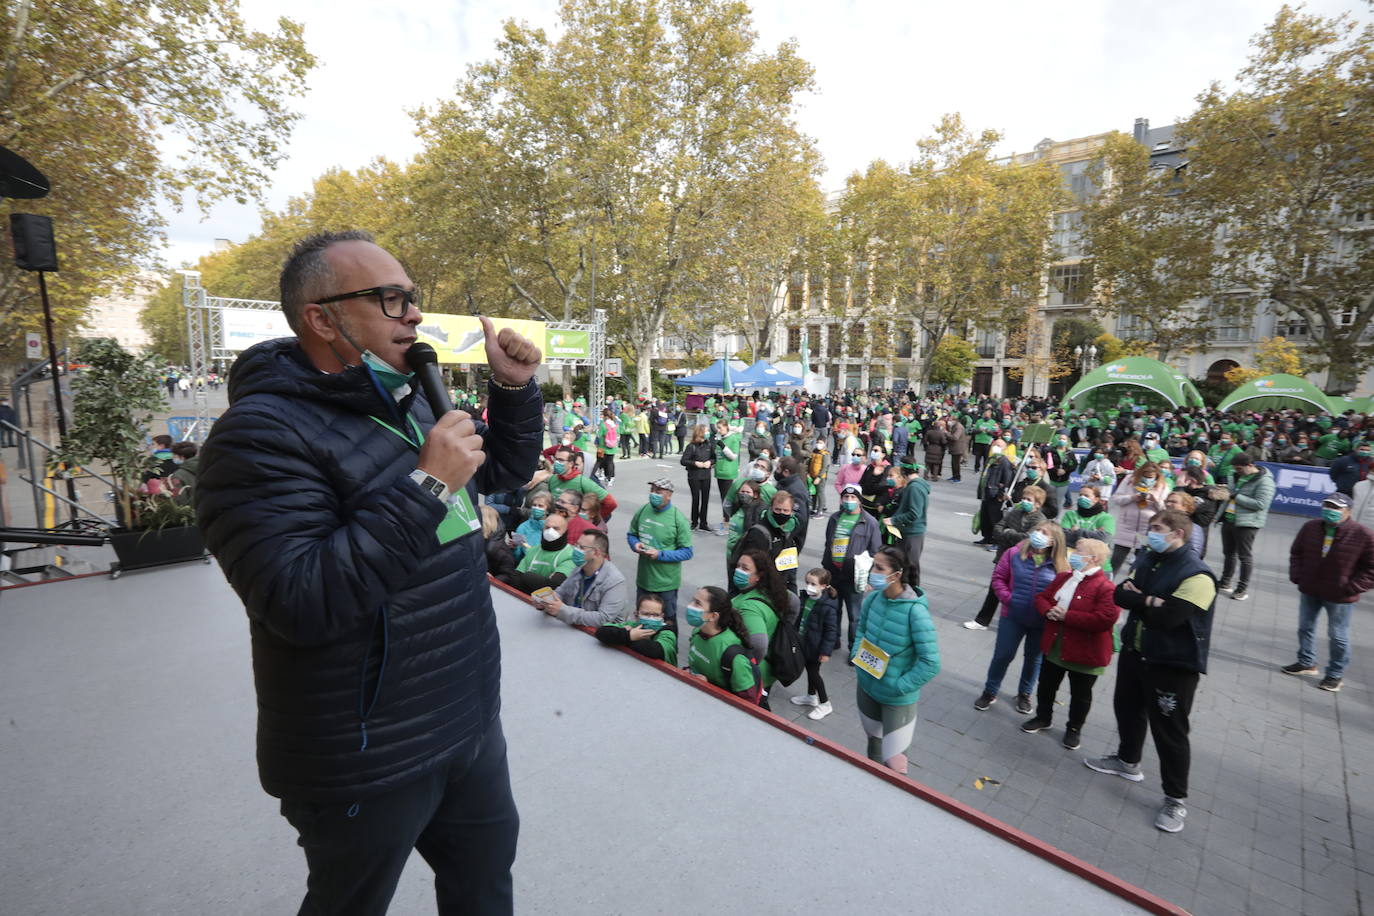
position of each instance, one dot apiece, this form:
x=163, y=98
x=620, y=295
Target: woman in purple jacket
x=1021, y=574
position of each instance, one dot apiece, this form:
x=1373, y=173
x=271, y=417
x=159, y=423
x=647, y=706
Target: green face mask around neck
x=389, y=377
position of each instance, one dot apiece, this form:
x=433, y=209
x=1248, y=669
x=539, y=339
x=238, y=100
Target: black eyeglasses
x=394, y=300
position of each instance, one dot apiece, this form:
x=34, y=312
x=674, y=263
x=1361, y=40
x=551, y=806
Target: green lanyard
x=415, y=427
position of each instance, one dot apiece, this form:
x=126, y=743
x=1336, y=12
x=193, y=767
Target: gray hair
x=306, y=275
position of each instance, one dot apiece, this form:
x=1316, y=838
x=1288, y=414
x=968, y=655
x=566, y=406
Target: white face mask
x=552, y=534
x=813, y=590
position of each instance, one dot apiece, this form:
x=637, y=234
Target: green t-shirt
x=844, y=526
x=543, y=562
x=579, y=484
x=704, y=655
x=662, y=529
x=1101, y=526
x=759, y=617
x=984, y=430
x=1331, y=446
x=727, y=468
x=665, y=637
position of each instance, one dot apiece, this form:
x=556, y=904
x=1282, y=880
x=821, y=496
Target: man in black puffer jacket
x=341, y=513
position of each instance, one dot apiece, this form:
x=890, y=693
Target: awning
x=1143, y=379
x=1277, y=392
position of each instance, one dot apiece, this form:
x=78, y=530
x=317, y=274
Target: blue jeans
x=1337, y=631
x=1009, y=635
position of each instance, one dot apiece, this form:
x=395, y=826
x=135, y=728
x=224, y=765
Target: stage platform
x=130, y=785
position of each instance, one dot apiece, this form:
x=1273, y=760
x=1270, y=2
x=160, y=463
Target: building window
x=815, y=283
x=1292, y=326
x=796, y=291
x=857, y=337
x=1069, y=284
x=794, y=340
x=987, y=344
x=1068, y=234
x=832, y=341
x=1077, y=181
x=1130, y=327
x=859, y=288
x=905, y=343
x=1232, y=327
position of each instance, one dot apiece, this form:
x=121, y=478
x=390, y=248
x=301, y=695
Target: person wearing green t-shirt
x=762, y=598
x=984, y=431
x=1089, y=518
x=726, y=444
x=759, y=473
x=646, y=633
x=548, y=563
x=1222, y=455
x=661, y=537
x=716, y=651
x=567, y=475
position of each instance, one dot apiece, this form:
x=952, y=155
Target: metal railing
x=34, y=456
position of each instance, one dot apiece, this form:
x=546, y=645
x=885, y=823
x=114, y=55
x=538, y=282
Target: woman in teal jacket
x=895, y=653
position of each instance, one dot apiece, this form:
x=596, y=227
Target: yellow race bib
x=787, y=560
x=871, y=659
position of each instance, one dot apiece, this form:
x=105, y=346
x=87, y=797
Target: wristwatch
x=430, y=484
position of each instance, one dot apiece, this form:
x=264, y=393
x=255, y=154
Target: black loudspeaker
x=34, y=248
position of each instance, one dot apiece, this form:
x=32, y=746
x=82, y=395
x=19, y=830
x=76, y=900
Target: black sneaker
x=1240, y=594
x=1031, y=726
x=1073, y=737
x=1332, y=684
x=1023, y=704
x=1225, y=588
x=984, y=700
x=1298, y=668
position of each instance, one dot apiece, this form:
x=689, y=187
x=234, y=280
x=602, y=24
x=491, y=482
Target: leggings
x=889, y=728
x=701, y=500
x=1120, y=553
x=605, y=465
x=815, y=686
x=723, y=487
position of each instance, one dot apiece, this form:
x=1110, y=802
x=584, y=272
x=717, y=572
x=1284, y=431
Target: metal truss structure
x=205, y=339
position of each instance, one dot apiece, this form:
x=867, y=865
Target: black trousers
x=1237, y=546
x=815, y=686
x=723, y=487
x=1120, y=554
x=1161, y=698
x=912, y=545
x=990, y=604
x=980, y=455
x=461, y=818
x=605, y=465
x=850, y=603
x=1080, y=693
x=956, y=465
x=701, y=501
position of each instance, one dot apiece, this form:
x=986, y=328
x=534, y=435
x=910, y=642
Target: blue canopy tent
x=719, y=375
x=762, y=375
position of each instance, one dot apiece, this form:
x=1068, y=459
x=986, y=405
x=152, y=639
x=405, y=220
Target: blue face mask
x=787, y=449
x=560, y=467
x=1039, y=540
x=1032, y=474
x=890, y=481
x=1147, y=482
x=579, y=556
x=1025, y=505
x=694, y=615
x=538, y=512
x=656, y=500
x=877, y=580
x=1086, y=502
x=389, y=377
x=1159, y=542
x=1076, y=562
x=740, y=578
x=1332, y=515
x=655, y=623
x=856, y=459
x=850, y=505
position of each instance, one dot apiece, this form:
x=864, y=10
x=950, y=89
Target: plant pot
x=143, y=548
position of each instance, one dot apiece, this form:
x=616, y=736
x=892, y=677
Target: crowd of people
x=1089, y=514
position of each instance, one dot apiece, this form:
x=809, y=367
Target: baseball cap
x=663, y=483
x=1337, y=500
x=851, y=488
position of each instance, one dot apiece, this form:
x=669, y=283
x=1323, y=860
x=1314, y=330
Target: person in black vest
x=789, y=477
x=1170, y=598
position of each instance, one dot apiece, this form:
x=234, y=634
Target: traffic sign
x=33, y=345
x=615, y=367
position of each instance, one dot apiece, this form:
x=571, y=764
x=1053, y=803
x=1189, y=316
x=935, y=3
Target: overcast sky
x=885, y=71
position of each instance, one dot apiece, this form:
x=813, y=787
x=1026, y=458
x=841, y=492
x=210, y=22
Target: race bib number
x=787, y=560
x=871, y=659
x=838, y=549
x=462, y=519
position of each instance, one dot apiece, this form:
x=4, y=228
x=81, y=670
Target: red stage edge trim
x=1103, y=879
x=5, y=588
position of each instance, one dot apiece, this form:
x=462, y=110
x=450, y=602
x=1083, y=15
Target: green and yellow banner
x=459, y=338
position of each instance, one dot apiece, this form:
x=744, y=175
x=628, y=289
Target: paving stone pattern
x=1281, y=803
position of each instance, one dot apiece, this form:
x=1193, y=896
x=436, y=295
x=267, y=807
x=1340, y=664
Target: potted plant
x=114, y=399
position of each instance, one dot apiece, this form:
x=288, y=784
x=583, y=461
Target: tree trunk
x=644, y=357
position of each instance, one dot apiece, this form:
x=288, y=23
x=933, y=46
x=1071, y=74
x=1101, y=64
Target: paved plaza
x=1281, y=800
x=1281, y=804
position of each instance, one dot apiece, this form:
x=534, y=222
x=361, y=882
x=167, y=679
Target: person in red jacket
x=1080, y=610
x=1332, y=564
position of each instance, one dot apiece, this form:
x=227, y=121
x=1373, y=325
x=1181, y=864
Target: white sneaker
x=821, y=711
x=806, y=699
x=973, y=625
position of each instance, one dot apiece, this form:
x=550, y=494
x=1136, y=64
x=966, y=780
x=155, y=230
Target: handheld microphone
x=424, y=362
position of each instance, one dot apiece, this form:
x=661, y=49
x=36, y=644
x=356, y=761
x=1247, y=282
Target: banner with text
x=245, y=327
x=567, y=344
x=459, y=338
x=1298, y=488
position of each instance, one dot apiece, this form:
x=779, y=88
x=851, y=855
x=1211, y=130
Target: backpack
x=785, y=656
x=727, y=664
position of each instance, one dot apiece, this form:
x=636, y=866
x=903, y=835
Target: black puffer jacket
x=375, y=651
